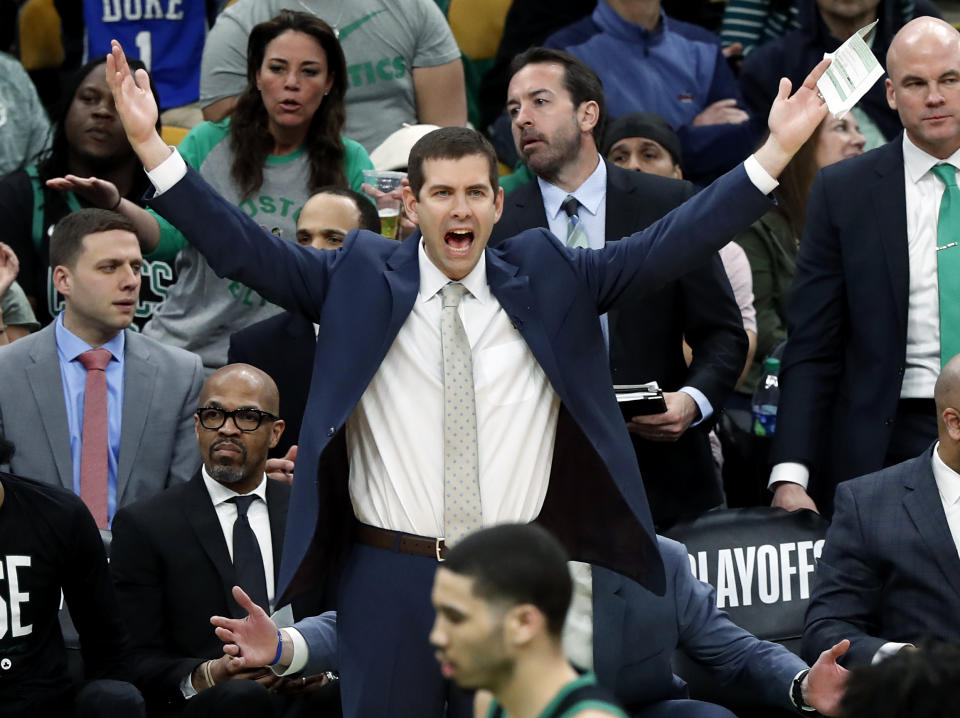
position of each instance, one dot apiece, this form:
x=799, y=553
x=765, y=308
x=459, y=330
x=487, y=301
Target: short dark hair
x=921, y=683
x=66, y=242
x=579, y=80
x=450, y=143
x=516, y=563
x=369, y=217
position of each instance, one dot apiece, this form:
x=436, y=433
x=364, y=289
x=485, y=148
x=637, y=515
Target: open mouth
x=290, y=105
x=459, y=241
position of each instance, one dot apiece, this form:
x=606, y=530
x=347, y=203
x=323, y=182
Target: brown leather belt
x=399, y=541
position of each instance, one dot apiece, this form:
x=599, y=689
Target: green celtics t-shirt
x=202, y=310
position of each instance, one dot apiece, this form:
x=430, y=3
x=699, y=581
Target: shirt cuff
x=887, y=650
x=301, y=652
x=706, y=408
x=186, y=687
x=760, y=177
x=791, y=472
x=166, y=174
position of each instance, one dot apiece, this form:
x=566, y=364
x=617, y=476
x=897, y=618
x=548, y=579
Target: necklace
x=335, y=24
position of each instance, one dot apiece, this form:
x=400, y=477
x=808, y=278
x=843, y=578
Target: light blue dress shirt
x=592, y=196
x=74, y=377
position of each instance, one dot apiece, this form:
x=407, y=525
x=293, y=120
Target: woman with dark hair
x=281, y=143
x=771, y=242
x=88, y=142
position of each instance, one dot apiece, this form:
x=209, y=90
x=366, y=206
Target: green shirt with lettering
x=202, y=310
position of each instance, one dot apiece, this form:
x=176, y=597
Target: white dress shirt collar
x=917, y=162
x=432, y=280
x=220, y=494
x=590, y=194
x=948, y=480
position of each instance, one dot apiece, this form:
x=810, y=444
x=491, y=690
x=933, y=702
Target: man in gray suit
x=90, y=405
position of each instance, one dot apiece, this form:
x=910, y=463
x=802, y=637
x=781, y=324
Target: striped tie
x=576, y=235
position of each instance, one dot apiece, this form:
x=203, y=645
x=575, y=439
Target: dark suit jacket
x=889, y=569
x=647, y=328
x=636, y=634
x=595, y=502
x=283, y=346
x=172, y=571
x=847, y=323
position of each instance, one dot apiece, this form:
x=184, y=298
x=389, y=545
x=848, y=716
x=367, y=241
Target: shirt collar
x=948, y=480
x=220, y=494
x=432, y=280
x=918, y=163
x=590, y=194
x=71, y=346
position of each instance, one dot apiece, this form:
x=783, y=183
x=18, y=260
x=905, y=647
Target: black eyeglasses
x=213, y=418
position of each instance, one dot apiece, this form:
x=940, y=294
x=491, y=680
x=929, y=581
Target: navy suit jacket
x=595, y=502
x=890, y=570
x=637, y=632
x=843, y=365
x=647, y=329
x=283, y=346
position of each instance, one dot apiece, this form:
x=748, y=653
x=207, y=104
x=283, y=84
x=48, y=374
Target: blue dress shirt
x=74, y=378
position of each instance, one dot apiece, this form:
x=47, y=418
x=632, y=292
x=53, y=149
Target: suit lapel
x=138, y=386
x=512, y=290
x=277, y=502
x=403, y=278
x=608, y=612
x=203, y=519
x=622, y=200
x=922, y=503
x=890, y=213
x=47, y=385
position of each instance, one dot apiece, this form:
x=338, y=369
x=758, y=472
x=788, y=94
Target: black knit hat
x=642, y=124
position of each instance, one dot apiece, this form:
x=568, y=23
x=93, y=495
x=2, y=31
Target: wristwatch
x=796, y=693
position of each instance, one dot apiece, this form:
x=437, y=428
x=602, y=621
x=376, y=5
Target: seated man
x=91, y=405
x=324, y=221
x=50, y=549
x=176, y=556
x=889, y=574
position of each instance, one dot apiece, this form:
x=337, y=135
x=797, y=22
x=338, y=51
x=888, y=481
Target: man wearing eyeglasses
x=177, y=555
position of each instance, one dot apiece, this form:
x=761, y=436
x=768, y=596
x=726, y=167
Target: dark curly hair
x=250, y=138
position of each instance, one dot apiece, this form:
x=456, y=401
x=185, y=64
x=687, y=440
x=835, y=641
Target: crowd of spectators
x=204, y=336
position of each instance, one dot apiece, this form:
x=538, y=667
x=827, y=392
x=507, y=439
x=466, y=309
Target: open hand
x=97, y=192
x=251, y=642
x=9, y=267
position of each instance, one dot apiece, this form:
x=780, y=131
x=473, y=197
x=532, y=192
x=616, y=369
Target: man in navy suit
x=864, y=345
x=283, y=345
x=889, y=574
x=538, y=429
x=647, y=328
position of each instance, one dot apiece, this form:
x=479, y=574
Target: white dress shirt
x=922, y=192
x=395, y=434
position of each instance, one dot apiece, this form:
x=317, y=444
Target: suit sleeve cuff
x=887, y=650
x=186, y=687
x=301, y=653
x=760, y=177
x=166, y=174
x=790, y=472
x=706, y=408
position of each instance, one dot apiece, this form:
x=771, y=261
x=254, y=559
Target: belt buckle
x=438, y=547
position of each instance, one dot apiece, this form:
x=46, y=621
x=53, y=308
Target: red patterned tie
x=94, y=449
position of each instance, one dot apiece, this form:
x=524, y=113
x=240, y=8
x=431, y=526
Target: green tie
x=948, y=263
x=576, y=234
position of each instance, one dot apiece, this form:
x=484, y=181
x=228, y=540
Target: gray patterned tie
x=576, y=234
x=461, y=478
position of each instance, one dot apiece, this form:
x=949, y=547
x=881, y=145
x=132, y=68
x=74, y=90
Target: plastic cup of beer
x=386, y=185
x=388, y=207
